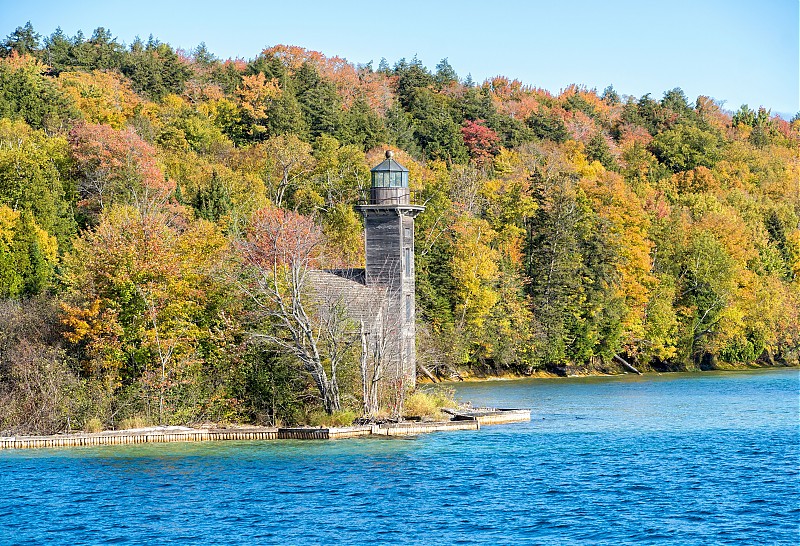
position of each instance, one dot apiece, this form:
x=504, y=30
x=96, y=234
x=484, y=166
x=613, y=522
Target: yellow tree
x=136, y=306
x=103, y=97
x=475, y=273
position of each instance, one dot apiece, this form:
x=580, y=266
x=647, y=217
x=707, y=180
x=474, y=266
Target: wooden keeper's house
x=381, y=296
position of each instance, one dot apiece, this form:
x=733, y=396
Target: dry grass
x=428, y=402
x=342, y=418
x=136, y=421
x=94, y=425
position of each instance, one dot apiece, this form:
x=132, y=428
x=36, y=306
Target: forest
x=562, y=232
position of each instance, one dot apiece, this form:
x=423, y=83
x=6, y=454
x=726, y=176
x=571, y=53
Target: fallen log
x=626, y=365
x=427, y=373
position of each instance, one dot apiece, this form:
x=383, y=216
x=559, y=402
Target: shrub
x=93, y=425
x=341, y=418
x=429, y=402
x=137, y=421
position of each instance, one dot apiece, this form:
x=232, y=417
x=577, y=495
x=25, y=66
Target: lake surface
x=706, y=458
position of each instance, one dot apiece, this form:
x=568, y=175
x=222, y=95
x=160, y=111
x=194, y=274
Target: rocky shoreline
x=607, y=370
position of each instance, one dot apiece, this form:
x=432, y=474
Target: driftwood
x=626, y=365
x=454, y=373
x=427, y=373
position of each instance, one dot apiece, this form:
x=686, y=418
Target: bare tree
x=380, y=349
x=279, y=252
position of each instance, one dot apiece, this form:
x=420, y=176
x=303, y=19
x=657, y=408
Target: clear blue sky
x=739, y=51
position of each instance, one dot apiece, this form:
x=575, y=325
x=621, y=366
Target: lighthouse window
x=407, y=233
x=380, y=179
x=407, y=260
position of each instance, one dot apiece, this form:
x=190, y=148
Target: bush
x=137, y=421
x=429, y=402
x=39, y=392
x=93, y=425
x=341, y=418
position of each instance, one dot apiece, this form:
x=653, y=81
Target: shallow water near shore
x=673, y=459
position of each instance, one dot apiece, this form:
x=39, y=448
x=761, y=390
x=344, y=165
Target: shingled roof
x=347, y=285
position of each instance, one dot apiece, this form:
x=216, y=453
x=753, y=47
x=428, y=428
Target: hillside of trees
x=562, y=231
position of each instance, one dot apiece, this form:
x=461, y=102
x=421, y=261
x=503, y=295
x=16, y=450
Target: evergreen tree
x=213, y=202
x=548, y=126
x=24, y=40
x=445, y=74
x=362, y=126
x=597, y=150
x=155, y=69
x=319, y=102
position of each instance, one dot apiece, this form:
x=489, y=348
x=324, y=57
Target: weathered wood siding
x=382, y=234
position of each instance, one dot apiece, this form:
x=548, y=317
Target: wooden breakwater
x=462, y=421
x=143, y=436
x=490, y=416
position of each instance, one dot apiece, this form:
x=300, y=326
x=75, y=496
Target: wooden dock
x=462, y=421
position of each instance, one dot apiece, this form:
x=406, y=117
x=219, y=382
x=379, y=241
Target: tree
x=675, y=101
x=548, y=126
x=102, y=97
x=480, y=141
x=143, y=297
x=287, y=159
x=28, y=254
x=40, y=393
x=437, y=133
x=101, y=51
x=362, y=126
x=686, y=147
x=34, y=178
x=744, y=116
x=278, y=252
x=610, y=96
x=24, y=41
x=475, y=272
x=155, y=69
x=411, y=78
x=598, y=150
x=256, y=96
x=445, y=74
x=116, y=166
x=379, y=331
x=27, y=94
x=319, y=102
x=214, y=202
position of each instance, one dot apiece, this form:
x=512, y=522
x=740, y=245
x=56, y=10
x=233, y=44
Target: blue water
x=707, y=458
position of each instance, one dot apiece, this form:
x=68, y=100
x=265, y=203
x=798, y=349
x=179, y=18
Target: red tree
x=480, y=140
x=116, y=166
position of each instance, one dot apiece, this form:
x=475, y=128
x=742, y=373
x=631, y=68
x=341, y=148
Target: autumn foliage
x=142, y=187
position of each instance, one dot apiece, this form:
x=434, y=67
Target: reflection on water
x=682, y=459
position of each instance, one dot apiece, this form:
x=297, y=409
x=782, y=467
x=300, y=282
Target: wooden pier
x=461, y=421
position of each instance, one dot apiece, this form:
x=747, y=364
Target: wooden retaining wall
x=504, y=416
x=410, y=428
x=182, y=434
x=134, y=437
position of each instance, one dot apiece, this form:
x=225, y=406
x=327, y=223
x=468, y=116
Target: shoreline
x=219, y=432
x=590, y=373
x=463, y=420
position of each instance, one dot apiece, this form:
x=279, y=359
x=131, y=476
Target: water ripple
x=673, y=460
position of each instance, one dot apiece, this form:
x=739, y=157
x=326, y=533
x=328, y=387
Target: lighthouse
x=389, y=240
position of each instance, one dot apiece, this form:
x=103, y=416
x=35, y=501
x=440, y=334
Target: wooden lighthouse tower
x=389, y=239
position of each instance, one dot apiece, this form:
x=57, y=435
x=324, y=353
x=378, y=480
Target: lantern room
x=389, y=183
